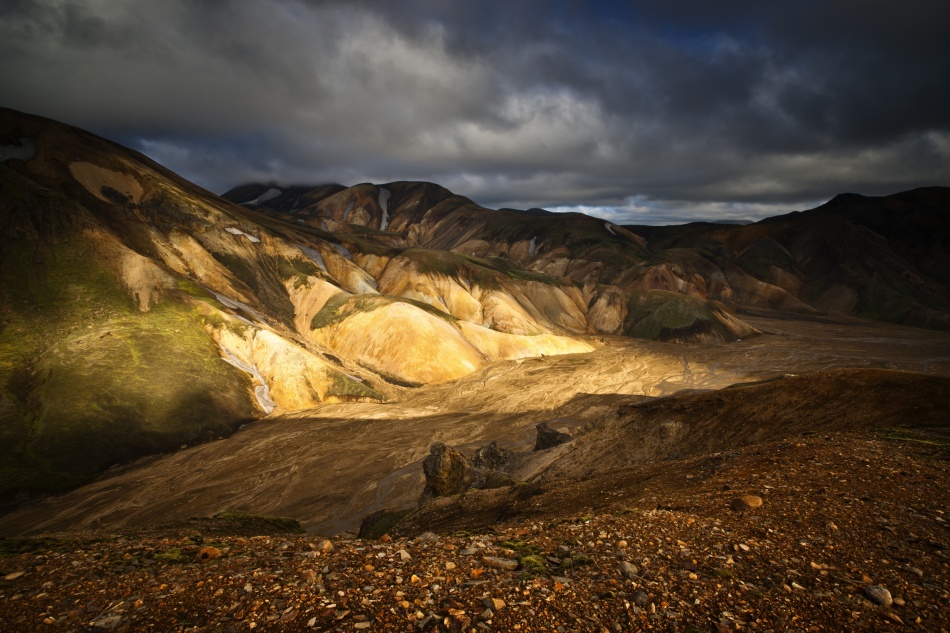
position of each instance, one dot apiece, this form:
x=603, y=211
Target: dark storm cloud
x=650, y=111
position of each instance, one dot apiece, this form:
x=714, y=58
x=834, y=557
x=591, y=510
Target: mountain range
x=141, y=314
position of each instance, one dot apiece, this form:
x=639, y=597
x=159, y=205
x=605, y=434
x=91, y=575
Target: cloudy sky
x=647, y=112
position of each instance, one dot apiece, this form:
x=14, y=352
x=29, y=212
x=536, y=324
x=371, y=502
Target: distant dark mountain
x=885, y=258
x=281, y=198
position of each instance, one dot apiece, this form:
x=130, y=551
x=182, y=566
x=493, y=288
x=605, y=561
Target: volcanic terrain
x=385, y=407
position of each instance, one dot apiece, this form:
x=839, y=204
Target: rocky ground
x=851, y=534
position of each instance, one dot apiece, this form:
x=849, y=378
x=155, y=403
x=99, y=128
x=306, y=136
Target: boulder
x=549, y=438
x=447, y=472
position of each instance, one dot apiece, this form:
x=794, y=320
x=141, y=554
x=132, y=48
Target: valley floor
x=852, y=535
x=329, y=467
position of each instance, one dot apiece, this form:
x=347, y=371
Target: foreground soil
x=851, y=535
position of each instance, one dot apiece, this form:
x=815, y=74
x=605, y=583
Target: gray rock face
x=549, y=438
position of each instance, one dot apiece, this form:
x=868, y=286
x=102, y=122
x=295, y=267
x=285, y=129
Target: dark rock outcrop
x=448, y=472
x=549, y=438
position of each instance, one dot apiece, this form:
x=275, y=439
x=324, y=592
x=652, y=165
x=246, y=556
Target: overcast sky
x=646, y=112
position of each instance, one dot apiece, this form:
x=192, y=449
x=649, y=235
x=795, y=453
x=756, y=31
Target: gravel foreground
x=851, y=535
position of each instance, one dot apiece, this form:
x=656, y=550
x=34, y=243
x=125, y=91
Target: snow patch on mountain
x=315, y=256
x=270, y=194
x=234, y=231
x=384, y=196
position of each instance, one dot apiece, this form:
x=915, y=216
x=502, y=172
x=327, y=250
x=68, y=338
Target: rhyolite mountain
x=139, y=312
x=884, y=258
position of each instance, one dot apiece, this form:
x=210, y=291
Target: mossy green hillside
x=341, y=386
x=661, y=316
x=88, y=381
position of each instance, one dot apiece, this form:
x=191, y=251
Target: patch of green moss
x=533, y=566
x=249, y=522
x=522, y=548
x=342, y=305
x=342, y=386
x=239, y=268
x=197, y=291
x=477, y=271
x=661, y=316
x=173, y=556
x=297, y=269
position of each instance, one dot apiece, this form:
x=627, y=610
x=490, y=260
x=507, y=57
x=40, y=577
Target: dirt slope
x=330, y=466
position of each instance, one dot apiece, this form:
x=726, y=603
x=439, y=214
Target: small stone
x=640, y=598
x=468, y=551
x=457, y=620
x=249, y=588
x=486, y=614
x=415, y=580
x=288, y=616
x=404, y=555
x=427, y=537
x=914, y=570
x=893, y=617
x=208, y=553
x=506, y=564
x=495, y=604
x=108, y=622
x=746, y=502
x=744, y=547
x=14, y=575
x=361, y=625
x=629, y=570
x=49, y=621
x=324, y=546
x=622, y=544
x=879, y=595
x=450, y=566
x=385, y=538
